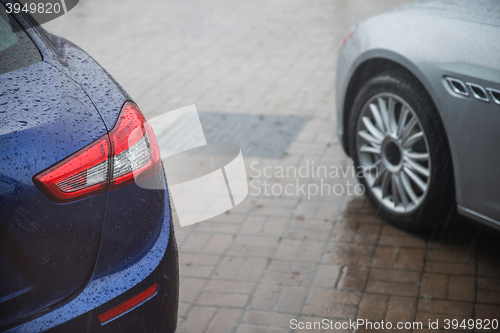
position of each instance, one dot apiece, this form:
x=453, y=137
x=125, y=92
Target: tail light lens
x=129, y=152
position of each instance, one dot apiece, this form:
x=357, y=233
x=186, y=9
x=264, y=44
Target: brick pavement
x=274, y=258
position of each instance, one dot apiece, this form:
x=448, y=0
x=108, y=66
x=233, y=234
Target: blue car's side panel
x=46, y=118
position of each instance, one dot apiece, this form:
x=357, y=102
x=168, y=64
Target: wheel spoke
x=394, y=190
x=369, y=138
x=385, y=114
x=370, y=149
x=402, y=119
x=377, y=116
x=407, y=129
x=416, y=167
x=392, y=117
x=380, y=172
x=401, y=191
x=408, y=188
x=415, y=179
x=417, y=156
x=372, y=128
x=385, y=184
x=375, y=166
x=412, y=139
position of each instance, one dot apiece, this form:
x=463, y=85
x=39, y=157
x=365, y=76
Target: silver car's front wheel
x=393, y=152
x=396, y=138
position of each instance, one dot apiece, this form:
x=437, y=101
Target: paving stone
x=230, y=287
x=265, y=297
x=327, y=276
x=463, y=288
x=401, y=309
x=331, y=303
x=411, y=259
x=488, y=284
x=291, y=300
x=197, y=320
x=373, y=307
x=259, y=329
x=367, y=234
x=386, y=257
x=348, y=254
x=392, y=288
x=198, y=259
x=394, y=275
x=485, y=311
x=450, y=268
x=353, y=278
x=488, y=297
x=222, y=300
x=434, y=286
x=195, y=271
x=225, y=320
x=266, y=318
x=409, y=242
x=218, y=244
x=304, y=230
x=190, y=289
x=445, y=307
x=196, y=242
x=250, y=251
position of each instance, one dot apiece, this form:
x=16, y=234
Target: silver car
x=418, y=104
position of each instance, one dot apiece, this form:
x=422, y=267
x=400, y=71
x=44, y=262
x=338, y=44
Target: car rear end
x=86, y=238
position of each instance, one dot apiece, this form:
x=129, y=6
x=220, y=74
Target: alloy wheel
x=393, y=153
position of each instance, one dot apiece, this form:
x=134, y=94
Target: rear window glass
x=17, y=50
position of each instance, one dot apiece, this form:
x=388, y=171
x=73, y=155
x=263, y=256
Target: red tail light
x=129, y=152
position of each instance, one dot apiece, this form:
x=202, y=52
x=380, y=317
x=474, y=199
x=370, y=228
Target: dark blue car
x=86, y=236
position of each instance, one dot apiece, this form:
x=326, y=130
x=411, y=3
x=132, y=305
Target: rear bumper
x=158, y=314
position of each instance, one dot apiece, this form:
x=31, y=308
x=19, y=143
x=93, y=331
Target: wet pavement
x=282, y=255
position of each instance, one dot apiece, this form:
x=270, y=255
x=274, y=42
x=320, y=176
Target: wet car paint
x=42, y=124
x=104, y=289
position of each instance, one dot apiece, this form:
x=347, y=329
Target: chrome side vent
x=472, y=89
x=495, y=95
x=457, y=86
x=478, y=92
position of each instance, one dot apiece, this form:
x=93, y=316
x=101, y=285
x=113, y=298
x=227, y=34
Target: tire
x=405, y=162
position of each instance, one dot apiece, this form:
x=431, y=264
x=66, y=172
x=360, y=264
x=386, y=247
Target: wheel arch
x=366, y=70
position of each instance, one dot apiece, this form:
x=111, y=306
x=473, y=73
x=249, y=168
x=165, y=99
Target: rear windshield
x=17, y=50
